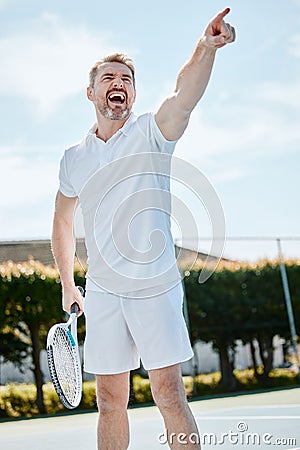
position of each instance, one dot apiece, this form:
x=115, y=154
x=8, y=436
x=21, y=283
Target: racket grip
x=74, y=308
x=81, y=290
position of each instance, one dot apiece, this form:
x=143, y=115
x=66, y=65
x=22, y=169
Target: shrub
x=88, y=395
x=142, y=391
x=19, y=400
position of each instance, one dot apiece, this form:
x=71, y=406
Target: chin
x=110, y=114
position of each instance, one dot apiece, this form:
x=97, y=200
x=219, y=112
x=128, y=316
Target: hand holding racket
x=71, y=295
x=64, y=361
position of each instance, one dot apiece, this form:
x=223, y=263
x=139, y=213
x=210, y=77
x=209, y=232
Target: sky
x=244, y=135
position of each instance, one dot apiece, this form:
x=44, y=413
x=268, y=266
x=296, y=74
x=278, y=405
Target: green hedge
x=19, y=400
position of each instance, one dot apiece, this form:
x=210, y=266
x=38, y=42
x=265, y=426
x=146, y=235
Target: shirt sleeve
x=158, y=139
x=65, y=185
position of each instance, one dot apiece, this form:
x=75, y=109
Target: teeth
x=117, y=95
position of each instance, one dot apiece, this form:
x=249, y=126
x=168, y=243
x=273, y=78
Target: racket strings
x=66, y=365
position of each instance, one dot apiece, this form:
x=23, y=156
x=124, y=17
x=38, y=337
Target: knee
x=109, y=401
x=169, y=395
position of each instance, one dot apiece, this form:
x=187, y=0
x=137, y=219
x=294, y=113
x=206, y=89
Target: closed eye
x=107, y=77
x=127, y=79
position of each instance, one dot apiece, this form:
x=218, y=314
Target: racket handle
x=81, y=290
x=74, y=308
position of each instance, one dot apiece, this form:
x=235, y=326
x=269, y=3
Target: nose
x=118, y=82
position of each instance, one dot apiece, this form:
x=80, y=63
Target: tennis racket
x=64, y=361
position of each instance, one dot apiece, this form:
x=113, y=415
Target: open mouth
x=118, y=98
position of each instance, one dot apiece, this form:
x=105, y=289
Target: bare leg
x=112, y=399
x=169, y=395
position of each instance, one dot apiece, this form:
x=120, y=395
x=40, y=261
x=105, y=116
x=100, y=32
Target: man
x=131, y=310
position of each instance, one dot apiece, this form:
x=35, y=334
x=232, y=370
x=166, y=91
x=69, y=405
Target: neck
x=106, y=128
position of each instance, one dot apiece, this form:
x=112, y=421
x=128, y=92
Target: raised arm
x=63, y=247
x=173, y=116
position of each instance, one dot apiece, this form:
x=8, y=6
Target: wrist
x=70, y=284
x=206, y=45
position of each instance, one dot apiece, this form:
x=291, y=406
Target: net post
x=288, y=302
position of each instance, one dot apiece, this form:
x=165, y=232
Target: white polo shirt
x=123, y=187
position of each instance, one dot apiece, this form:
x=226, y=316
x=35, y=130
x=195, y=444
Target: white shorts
x=120, y=331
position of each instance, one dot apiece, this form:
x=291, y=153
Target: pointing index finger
x=220, y=16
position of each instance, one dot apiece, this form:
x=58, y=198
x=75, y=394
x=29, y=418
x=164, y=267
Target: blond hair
x=114, y=57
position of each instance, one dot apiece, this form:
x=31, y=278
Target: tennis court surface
x=253, y=421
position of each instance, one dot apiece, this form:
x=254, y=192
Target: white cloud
x=48, y=60
x=251, y=129
x=287, y=94
x=261, y=125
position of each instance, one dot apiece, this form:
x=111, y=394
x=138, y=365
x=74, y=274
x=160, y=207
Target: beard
x=109, y=113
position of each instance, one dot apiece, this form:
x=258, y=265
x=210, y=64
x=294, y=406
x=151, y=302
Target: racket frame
x=70, y=330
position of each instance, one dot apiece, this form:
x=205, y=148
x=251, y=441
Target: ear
x=89, y=93
x=134, y=96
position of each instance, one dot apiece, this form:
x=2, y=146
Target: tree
x=266, y=310
x=241, y=302
x=215, y=317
